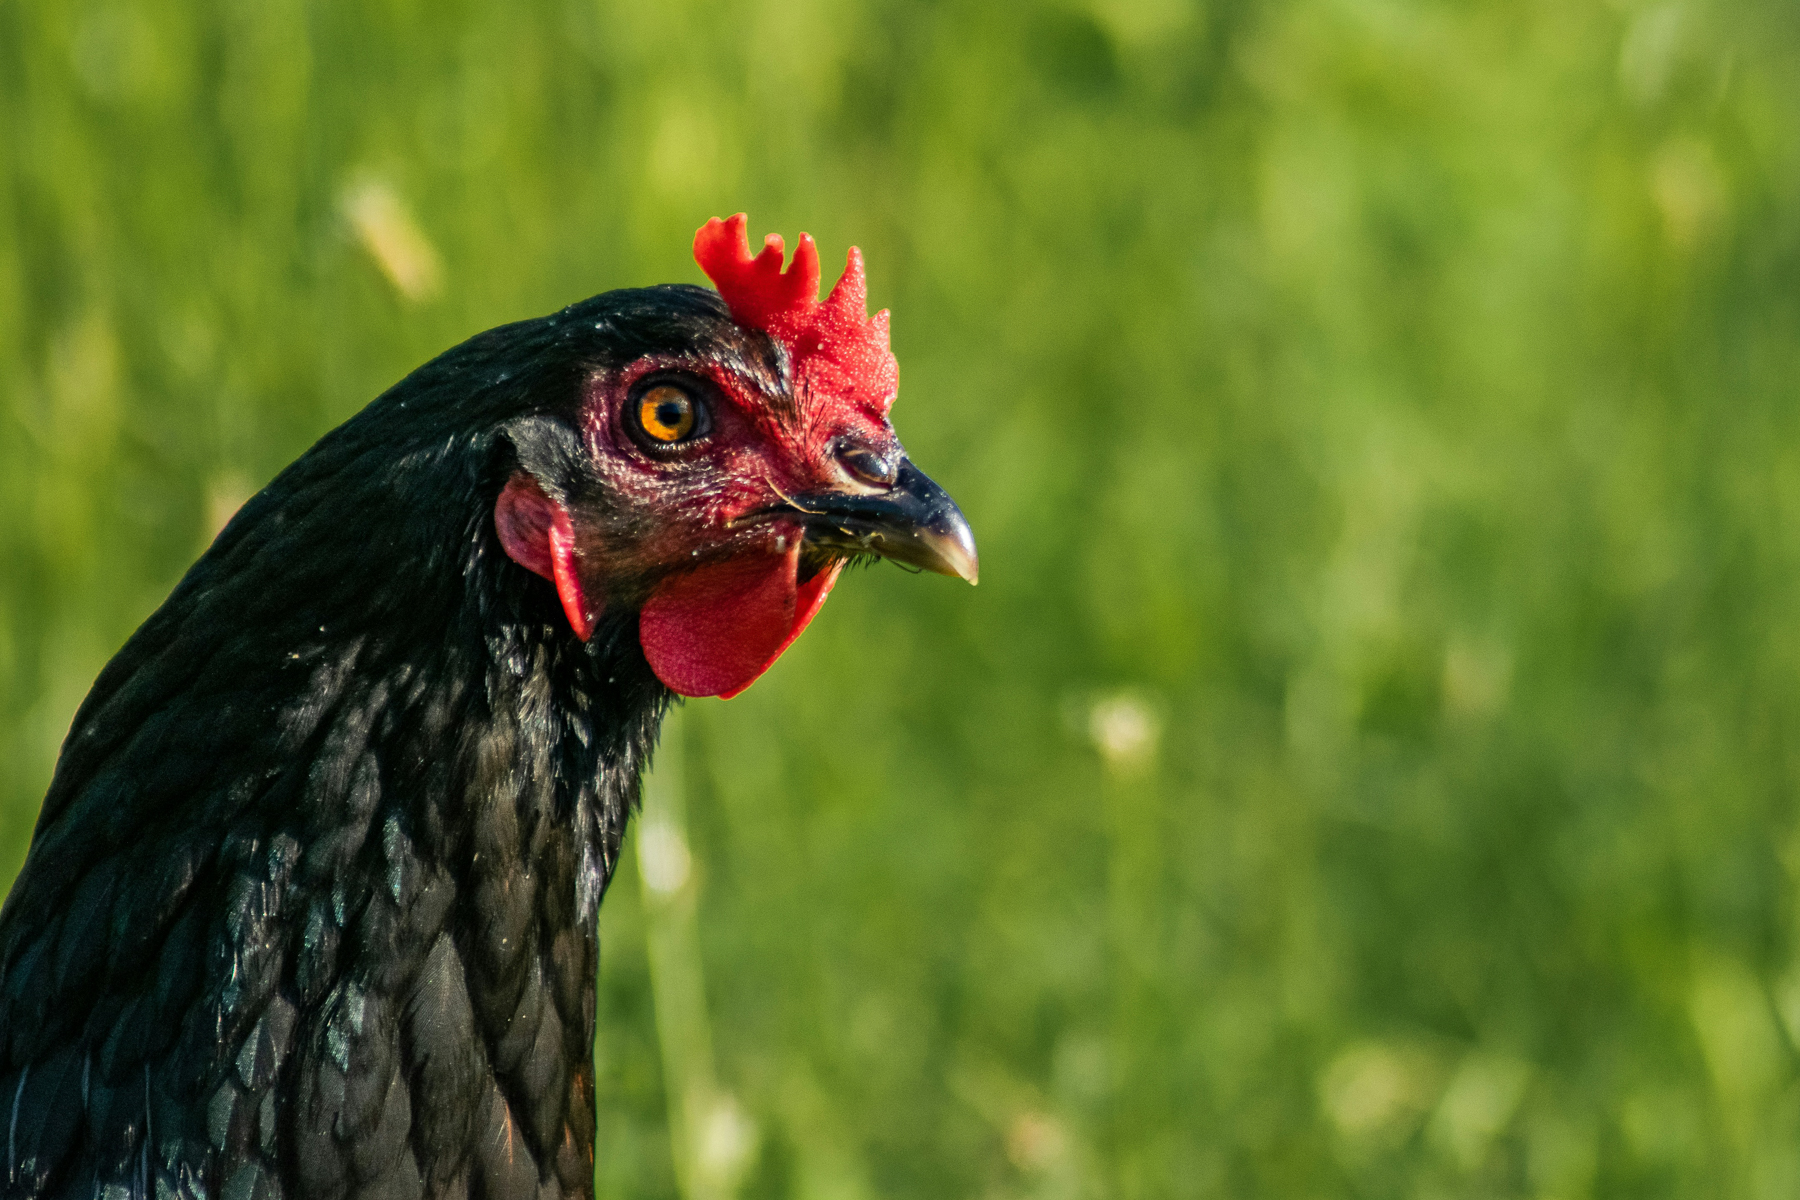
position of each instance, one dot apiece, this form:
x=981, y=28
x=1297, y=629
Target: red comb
x=837, y=349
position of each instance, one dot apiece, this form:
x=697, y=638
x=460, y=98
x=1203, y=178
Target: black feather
x=310, y=907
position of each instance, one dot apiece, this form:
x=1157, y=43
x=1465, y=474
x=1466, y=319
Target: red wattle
x=712, y=631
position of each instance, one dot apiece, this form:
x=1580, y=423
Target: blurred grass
x=1385, y=408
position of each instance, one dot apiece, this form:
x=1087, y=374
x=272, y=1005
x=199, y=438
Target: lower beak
x=913, y=522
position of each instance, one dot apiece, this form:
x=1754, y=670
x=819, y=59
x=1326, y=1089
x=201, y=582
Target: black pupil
x=669, y=413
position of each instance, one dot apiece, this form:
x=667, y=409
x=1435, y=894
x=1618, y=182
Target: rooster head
x=729, y=454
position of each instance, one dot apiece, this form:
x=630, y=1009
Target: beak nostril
x=868, y=466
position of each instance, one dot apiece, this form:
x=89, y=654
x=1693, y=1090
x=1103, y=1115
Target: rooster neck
x=466, y=793
x=316, y=895
x=502, y=762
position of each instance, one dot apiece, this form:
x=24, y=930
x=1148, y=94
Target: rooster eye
x=666, y=414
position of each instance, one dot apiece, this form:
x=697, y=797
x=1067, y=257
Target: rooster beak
x=913, y=522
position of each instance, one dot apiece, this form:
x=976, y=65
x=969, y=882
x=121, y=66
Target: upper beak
x=913, y=522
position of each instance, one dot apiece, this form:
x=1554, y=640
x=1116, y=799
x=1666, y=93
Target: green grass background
x=1390, y=405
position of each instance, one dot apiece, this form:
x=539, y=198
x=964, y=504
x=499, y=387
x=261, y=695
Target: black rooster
x=310, y=910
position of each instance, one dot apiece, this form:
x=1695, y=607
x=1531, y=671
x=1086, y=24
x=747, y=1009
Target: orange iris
x=666, y=413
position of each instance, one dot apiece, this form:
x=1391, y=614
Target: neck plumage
x=313, y=898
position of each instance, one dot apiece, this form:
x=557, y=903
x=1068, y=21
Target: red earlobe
x=537, y=533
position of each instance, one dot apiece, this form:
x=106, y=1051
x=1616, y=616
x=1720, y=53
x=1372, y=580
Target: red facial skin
x=728, y=598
